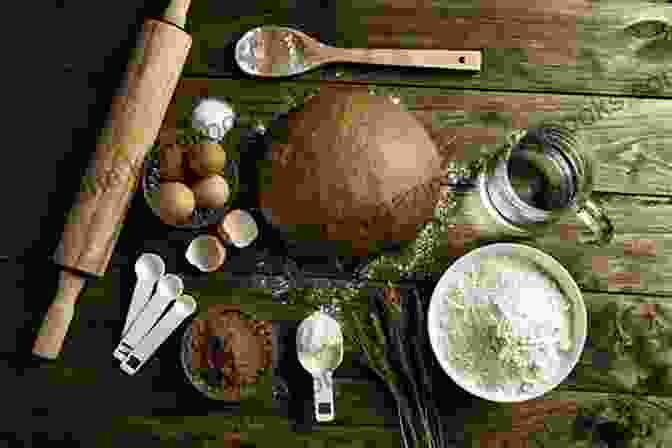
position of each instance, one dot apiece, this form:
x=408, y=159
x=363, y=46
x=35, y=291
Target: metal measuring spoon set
x=152, y=317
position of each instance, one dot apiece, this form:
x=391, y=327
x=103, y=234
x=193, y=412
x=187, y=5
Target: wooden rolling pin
x=136, y=115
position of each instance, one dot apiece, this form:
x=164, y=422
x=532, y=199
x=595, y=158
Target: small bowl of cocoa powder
x=225, y=349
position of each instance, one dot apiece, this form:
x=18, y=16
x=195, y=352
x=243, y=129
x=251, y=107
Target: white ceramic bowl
x=551, y=267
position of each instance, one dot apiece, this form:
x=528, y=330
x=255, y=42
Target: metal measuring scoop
x=322, y=369
x=184, y=307
x=169, y=287
x=149, y=268
x=281, y=51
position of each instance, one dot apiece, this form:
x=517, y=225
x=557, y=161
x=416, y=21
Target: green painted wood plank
x=627, y=136
x=544, y=422
x=610, y=47
x=643, y=364
x=634, y=261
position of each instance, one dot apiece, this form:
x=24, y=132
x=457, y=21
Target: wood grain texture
x=444, y=59
x=635, y=261
x=573, y=60
x=607, y=47
x=266, y=430
x=49, y=340
x=134, y=121
x=94, y=222
x=642, y=367
x=482, y=425
x=545, y=422
x=627, y=136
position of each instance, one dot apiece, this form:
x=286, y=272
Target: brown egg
x=211, y=192
x=206, y=158
x=171, y=162
x=176, y=203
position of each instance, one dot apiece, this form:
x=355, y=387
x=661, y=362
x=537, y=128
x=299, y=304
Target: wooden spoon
x=279, y=51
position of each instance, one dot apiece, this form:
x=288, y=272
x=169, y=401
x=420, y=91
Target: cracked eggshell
x=239, y=227
x=206, y=252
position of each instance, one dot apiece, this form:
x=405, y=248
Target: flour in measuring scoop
x=319, y=342
x=506, y=327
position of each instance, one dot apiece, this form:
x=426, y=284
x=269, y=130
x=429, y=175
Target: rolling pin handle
x=176, y=12
x=55, y=325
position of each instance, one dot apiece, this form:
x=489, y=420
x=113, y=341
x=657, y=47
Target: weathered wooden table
x=600, y=67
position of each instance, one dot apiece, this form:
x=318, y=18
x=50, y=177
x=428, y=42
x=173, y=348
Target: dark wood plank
x=110, y=31
x=40, y=212
x=262, y=431
x=549, y=421
x=611, y=47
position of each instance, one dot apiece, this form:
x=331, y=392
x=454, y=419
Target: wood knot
x=648, y=29
x=283, y=153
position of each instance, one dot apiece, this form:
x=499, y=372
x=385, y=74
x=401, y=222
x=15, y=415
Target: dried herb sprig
x=419, y=340
x=395, y=322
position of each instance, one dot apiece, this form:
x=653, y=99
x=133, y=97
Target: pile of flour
x=507, y=327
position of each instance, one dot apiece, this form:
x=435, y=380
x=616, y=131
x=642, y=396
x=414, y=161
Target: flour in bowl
x=506, y=327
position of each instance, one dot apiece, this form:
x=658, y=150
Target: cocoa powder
x=247, y=347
